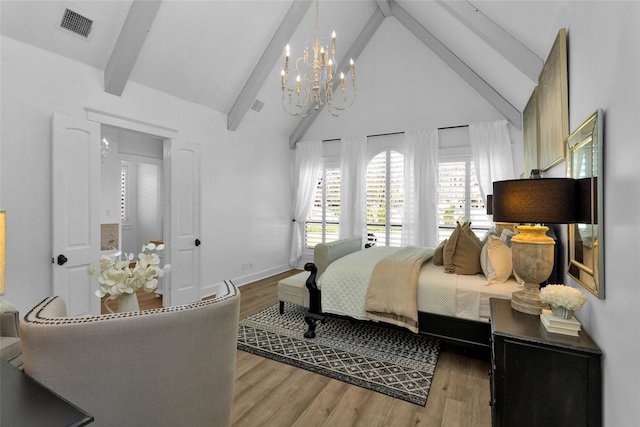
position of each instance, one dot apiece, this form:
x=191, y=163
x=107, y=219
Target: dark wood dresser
x=540, y=378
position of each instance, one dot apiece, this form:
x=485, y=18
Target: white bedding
x=462, y=296
x=344, y=288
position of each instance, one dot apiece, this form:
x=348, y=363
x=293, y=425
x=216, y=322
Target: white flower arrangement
x=563, y=296
x=125, y=277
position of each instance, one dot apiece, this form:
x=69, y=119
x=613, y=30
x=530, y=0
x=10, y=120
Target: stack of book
x=558, y=325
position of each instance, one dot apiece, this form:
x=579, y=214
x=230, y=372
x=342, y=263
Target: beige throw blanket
x=392, y=295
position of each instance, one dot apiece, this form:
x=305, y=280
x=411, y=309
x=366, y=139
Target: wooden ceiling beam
x=129, y=44
x=463, y=70
x=266, y=63
x=354, y=52
x=385, y=8
x=499, y=39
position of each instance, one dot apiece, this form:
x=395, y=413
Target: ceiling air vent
x=77, y=24
x=257, y=106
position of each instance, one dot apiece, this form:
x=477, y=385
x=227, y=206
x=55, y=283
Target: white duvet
x=344, y=288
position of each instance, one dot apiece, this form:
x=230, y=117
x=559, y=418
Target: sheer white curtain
x=305, y=176
x=353, y=187
x=492, y=157
x=420, y=220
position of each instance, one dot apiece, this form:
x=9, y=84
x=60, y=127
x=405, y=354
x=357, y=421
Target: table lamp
x=500, y=226
x=2, y=247
x=533, y=201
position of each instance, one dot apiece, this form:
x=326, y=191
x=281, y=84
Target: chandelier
x=315, y=79
x=105, y=150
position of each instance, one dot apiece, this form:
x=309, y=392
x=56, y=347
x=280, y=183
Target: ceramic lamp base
x=528, y=300
x=532, y=253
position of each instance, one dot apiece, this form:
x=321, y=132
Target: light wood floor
x=269, y=393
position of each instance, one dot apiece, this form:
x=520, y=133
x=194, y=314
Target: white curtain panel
x=307, y=166
x=353, y=187
x=491, y=150
x=420, y=220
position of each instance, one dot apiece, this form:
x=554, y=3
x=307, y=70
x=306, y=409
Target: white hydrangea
x=125, y=276
x=563, y=296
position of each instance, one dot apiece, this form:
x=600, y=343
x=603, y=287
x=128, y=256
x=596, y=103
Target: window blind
x=322, y=225
x=385, y=198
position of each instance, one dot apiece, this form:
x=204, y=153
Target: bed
x=453, y=307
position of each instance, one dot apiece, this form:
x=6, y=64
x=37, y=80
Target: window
x=322, y=224
x=385, y=198
x=459, y=197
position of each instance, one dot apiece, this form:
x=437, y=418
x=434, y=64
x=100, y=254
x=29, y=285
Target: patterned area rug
x=393, y=362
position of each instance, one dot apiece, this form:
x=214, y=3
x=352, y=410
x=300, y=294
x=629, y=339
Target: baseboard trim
x=208, y=290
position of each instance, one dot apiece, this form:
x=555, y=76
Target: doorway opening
x=133, y=193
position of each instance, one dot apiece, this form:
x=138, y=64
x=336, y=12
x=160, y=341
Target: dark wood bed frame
x=463, y=332
x=467, y=333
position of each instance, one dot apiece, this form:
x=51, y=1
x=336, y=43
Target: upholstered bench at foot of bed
x=294, y=290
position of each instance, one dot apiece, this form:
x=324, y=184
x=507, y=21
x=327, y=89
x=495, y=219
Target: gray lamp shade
x=544, y=200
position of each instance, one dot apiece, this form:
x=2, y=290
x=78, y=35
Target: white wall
x=604, y=65
x=246, y=184
x=403, y=85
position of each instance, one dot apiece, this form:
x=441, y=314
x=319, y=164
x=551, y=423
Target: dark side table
x=539, y=378
x=24, y=402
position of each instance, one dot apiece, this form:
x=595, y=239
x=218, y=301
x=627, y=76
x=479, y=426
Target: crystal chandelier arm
x=318, y=84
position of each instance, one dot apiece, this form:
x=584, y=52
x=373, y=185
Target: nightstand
x=540, y=378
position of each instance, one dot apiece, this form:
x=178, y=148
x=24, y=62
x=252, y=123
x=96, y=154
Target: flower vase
x=561, y=312
x=128, y=302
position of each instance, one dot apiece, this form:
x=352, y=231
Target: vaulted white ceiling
x=226, y=54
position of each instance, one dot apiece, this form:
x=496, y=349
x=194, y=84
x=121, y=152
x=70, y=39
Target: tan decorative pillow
x=438, y=255
x=496, y=261
x=449, y=249
x=462, y=251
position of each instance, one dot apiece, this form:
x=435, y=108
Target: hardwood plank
x=349, y=408
x=327, y=400
x=309, y=419
x=246, y=401
x=305, y=394
x=302, y=387
x=376, y=410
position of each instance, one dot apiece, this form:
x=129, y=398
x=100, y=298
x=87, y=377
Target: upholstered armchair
x=165, y=367
x=10, y=345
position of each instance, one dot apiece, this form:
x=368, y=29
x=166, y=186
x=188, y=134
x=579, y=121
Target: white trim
x=133, y=158
x=131, y=124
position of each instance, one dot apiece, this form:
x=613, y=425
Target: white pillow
x=495, y=260
x=506, y=236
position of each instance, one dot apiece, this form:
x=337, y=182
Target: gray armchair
x=10, y=345
x=163, y=367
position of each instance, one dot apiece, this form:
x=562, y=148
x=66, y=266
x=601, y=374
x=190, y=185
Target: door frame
x=158, y=131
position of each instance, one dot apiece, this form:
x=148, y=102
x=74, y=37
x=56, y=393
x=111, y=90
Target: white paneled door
x=184, y=279
x=76, y=212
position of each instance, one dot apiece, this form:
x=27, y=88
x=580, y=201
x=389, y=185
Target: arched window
x=385, y=198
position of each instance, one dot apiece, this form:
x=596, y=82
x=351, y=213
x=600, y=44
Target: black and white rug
x=393, y=362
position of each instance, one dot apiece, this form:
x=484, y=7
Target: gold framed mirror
x=585, y=238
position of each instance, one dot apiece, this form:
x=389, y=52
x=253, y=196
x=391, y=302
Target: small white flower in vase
x=120, y=279
x=563, y=300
